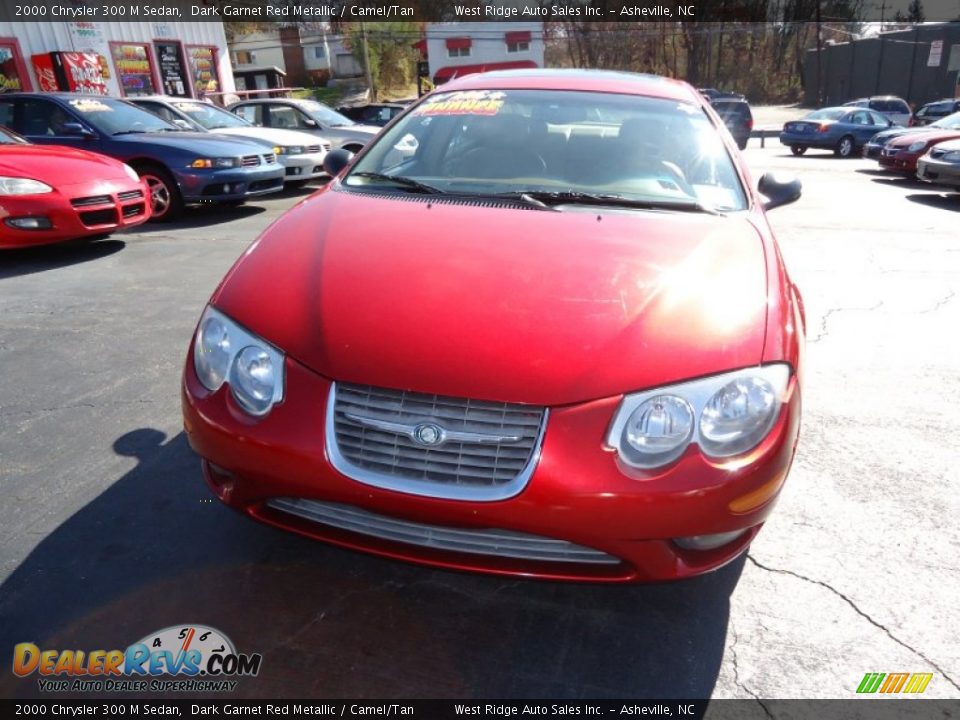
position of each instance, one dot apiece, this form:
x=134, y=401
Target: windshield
x=209, y=116
x=8, y=137
x=950, y=122
x=324, y=115
x=827, y=114
x=114, y=116
x=562, y=143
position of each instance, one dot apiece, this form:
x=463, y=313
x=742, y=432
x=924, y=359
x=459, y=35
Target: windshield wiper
x=128, y=132
x=551, y=198
x=400, y=180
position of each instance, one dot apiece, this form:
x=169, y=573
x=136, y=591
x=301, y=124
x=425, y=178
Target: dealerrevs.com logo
x=186, y=658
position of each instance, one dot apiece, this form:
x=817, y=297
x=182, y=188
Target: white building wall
x=265, y=47
x=488, y=43
x=96, y=37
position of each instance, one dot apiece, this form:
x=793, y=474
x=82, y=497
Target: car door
x=46, y=122
x=862, y=126
x=251, y=112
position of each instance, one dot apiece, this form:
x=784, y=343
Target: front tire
x=797, y=150
x=166, y=202
x=845, y=147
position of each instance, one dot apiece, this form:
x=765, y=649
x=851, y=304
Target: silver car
x=307, y=116
x=890, y=106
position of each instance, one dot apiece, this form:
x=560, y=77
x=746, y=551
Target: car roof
x=574, y=79
x=62, y=96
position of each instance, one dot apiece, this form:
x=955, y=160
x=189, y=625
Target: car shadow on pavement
x=874, y=172
x=14, y=263
x=901, y=181
x=195, y=216
x=155, y=550
x=941, y=200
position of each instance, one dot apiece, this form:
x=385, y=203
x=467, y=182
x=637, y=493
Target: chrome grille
x=499, y=543
x=269, y=158
x=312, y=149
x=92, y=200
x=326, y=146
x=488, y=454
x=250, y=160
x=130, y=195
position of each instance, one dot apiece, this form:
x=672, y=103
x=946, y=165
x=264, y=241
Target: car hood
x=887, y=135
x=274, y=136
x=208, y=144
x=930, y=136
x=55, y=164
x=357, y=129
x=949, y=145
x=506, y=304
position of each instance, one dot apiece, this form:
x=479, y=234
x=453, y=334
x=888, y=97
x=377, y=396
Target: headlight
x=215, y=163
x=223, y=352
x=917, y=146
x=22, y=186
x=131, y=173
x=288, y=149
x=724, y=415
x=951, y=157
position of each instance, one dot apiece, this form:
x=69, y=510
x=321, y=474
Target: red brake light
x=823, y=127
x=750, y=124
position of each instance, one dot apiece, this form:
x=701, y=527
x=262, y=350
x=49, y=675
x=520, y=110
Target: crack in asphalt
x=859, y=612
x=939, y=304
x=736, y=673
x=822, y=333
x=58, y=408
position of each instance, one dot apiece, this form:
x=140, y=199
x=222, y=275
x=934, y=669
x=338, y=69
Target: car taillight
x=823, y=127
x=750, y=124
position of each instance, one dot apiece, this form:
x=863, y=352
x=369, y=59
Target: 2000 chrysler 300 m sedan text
x=551, y=337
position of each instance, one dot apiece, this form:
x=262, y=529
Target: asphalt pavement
x=107, y=532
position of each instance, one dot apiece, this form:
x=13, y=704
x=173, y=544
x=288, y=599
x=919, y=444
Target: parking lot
x=109, y=533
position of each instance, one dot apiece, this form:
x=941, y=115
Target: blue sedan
x=179, y=167
x=842, y=129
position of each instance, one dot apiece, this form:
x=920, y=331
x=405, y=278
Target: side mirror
x=310, y=123
x=336, y=160
x=779, y=189
x=75, y=128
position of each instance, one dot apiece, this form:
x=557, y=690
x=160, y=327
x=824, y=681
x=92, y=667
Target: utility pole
x=366, y=63
x=819, y=66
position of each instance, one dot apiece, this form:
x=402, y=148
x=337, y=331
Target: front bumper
x=306, y=166
x=872, y=152
x=230, y=184
x=577, y=493
x=903, y=162
x=74, y=212
x=939, y=173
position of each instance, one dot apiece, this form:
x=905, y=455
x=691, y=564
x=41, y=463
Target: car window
x=8, y=137
x=44, y=118
x=324, y=115
x=250, y=113
x=950, y=122
x=284, y=116
x=6, y=113
x=517, y=141
x=878, y=119
x=114, y=117
x=208, y=116
x=157, y=109
x=890, y=106
x=828, y=114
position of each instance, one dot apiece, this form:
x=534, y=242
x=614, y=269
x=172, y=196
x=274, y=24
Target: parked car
x=309, y=116
x=737, y=117
x=714, y=94
x=300, y=153
x=941, y=165
x=564, y=350
x=890, y=106
x=841, y=129
x=931, y=112
x=378, y=114
x=53, y=194
x=179, y=167
x=901, y=154
x=874, y=148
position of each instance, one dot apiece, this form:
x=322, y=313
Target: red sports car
x=901, y=154
x=49, y=194
x=539, y=327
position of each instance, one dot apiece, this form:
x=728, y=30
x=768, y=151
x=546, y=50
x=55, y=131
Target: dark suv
x=933, y=111
x=736, y=115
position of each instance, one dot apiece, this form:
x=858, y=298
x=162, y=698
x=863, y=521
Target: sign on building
x=936, y=53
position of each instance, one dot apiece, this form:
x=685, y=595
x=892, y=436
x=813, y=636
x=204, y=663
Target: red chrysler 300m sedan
x=539, y=327
x=50, y=194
